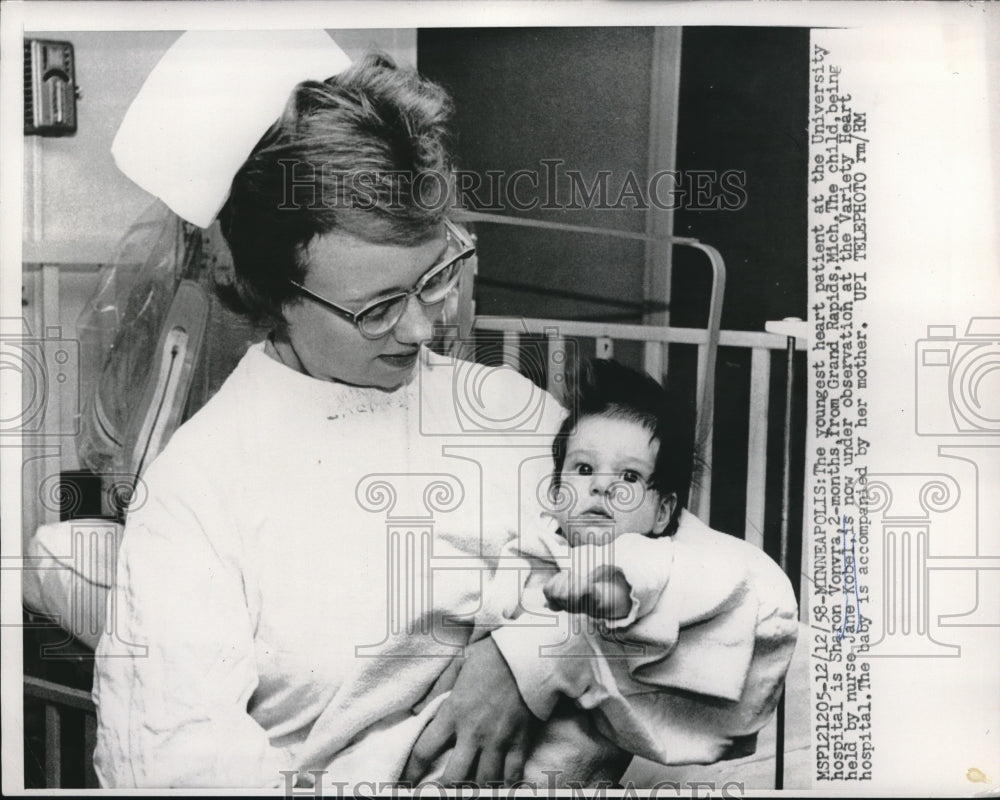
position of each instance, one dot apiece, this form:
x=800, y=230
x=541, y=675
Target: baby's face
x=604, y=482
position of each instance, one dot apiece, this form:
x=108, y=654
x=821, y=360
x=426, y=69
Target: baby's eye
x=584, y=469
x=630, y=476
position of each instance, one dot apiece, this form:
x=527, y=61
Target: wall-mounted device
x=50, y=90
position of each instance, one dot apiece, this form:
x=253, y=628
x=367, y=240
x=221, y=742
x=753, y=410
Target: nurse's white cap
x=205, y=106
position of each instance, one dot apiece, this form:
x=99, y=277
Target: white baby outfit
x=689, y=675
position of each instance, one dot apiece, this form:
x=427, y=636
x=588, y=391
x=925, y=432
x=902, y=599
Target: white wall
x=75, y=200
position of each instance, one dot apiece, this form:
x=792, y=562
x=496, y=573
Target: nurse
x=256, y=639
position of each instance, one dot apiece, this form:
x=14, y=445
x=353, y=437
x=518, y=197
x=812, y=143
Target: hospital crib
x=67, y=736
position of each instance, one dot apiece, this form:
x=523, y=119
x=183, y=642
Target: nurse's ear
x=664, y=512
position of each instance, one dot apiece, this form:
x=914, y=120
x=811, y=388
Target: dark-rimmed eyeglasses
x=379, y=318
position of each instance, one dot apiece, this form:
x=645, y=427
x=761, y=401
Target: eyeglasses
x=376, y=320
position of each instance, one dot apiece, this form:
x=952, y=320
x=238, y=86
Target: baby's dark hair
x=609, y=389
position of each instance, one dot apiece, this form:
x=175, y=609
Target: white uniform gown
x=287, y=570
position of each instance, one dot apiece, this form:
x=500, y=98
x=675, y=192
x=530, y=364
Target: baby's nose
x=601, y=483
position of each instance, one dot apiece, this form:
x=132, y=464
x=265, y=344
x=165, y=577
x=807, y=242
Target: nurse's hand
x=485, y=718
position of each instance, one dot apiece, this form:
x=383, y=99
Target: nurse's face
x=353, y=274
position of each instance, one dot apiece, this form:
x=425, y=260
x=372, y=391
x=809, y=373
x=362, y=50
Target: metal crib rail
x=787, y=337
x=708, y=345
x=59, y=700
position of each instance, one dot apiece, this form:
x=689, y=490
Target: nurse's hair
x=611, y=390
x=365, y=153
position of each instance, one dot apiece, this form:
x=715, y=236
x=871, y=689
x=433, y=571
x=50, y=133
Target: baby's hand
x=603, y=594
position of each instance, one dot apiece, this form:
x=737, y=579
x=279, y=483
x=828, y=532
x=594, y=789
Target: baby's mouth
x=593, y=526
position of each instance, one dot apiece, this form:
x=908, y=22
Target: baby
x=682, y=634
x=618, y=470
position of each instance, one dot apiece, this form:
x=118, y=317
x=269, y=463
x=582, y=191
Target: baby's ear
x=664, y=511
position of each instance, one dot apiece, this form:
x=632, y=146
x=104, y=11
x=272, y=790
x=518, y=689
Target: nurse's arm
x=176, y=669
